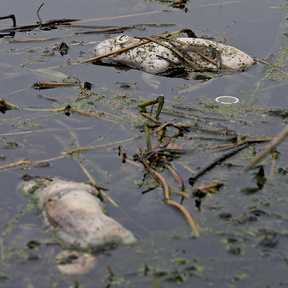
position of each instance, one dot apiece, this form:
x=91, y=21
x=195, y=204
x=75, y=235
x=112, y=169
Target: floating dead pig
x=169, y=57
x=75, y=214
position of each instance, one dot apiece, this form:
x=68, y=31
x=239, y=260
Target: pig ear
x=190, y=33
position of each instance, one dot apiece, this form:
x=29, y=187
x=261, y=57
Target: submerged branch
x=148, y=140
x=40, y=20
x=186, y=214
x=150, y=117
x=158, y=177
x=217, y=161
x=271, y=65
x=209, y=186
x=176, y=176
x=95, y=185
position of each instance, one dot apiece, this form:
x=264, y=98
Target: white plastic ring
x=227, y=99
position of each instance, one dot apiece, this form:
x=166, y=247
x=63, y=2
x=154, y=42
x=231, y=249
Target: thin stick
x=276, y=140
x=92, y=115
x=148, y=140
x=186, y=214
x=193, y=65
x=119, y=17
x=126, y=48
x=224, y=3
x=121, y=28
x=2, y=249
x=209, y=186
x=150, y=117
x=33, y=26
x=158, y=177
x=216, y=162
x=44, y=131
x=100, y=146
x=271, y=65
x=148, y=103
x=93, y=181
x=66, y=108
x=33, y=162
x=176, y=176
x=183, y=194
x=20, y=162
x=40, y=20
x=274, y=158
x=82, y=166
x=110, y=270
x=52, y=84
x=12, y=16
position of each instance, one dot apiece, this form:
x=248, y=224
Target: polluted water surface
x=167, y=154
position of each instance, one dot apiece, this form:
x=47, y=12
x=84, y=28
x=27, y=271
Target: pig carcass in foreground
x=75, y=214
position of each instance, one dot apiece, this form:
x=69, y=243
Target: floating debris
x=75, y=214
x=74, y=262
x=158, y=56
x=227, y=100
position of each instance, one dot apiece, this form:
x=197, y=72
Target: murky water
x=246, y=246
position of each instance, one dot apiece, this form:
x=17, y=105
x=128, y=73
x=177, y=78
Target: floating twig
x=94, y=183
x=20, y=162
x=44, y=24
x=150, y=117
x=216, y=162
x=2, y=249
x=91, y=115
x=67, y=109
x=209, y=186
x=276, y=140
x=119, y=17
x=196, y=87
x=12, y=16
x=147, y=103
x=39, y=85
x=178, y=125
x=158, y=177
x=11, y=33
x=274, y=158
x=114, y=29
x=161, y=101
x=186, y=214
x=111, y=274
x=43, y=131
x=40, y=20
x=271, y=65
x=100, y=146
x=148, y=140
x=176, y=176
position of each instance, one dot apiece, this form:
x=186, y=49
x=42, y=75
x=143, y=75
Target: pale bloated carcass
x=157, y=59
x=75, y=214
